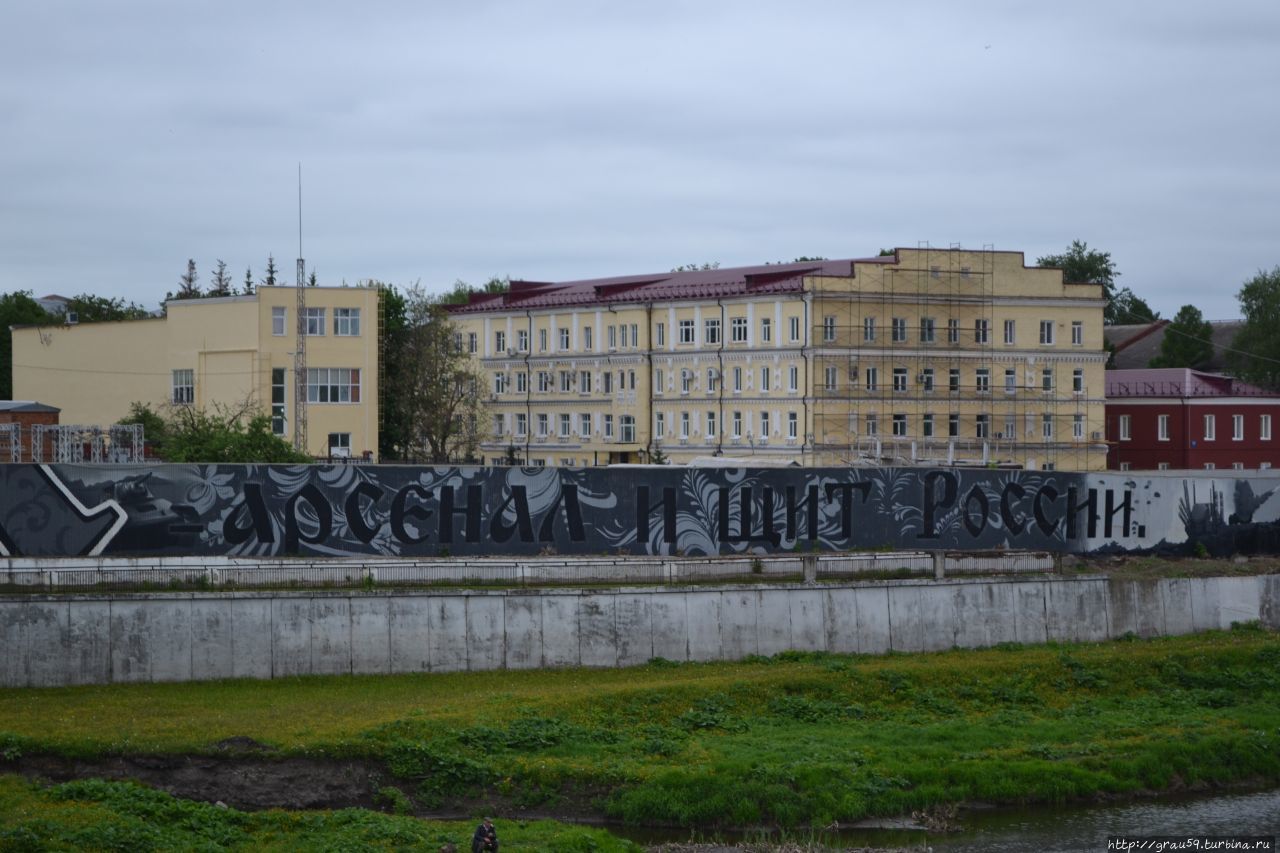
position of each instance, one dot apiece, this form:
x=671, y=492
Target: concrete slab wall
x=98, y=639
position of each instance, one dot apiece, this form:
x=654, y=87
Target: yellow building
x=923, y=357
x=220, y=351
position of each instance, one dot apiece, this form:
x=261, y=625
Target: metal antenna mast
x=300, y=347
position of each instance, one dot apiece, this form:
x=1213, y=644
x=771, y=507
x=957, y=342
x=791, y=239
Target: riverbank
x=795, y=740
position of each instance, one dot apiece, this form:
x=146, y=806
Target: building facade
x=922, y=357
x=220, y=351
x=1178, y=418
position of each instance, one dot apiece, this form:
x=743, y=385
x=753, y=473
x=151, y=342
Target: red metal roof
x=691, y=284
x=1177, y=382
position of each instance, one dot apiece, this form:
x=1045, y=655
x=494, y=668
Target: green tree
x=460, y=293
x=221, y=280
x=1186, y=340
x=1082, y=265
x=101, y=309
x=656, y=456
x=247, y=288
x=16, y=309
x=394, y=424
x=710, y=265
x=311, y=279
x=1255, y=354
x=227, y=434
x=187, y=287
x=269, y=280
x=437, y=405
x=155, y=430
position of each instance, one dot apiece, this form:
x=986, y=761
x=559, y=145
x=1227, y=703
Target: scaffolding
x=913, y=368
x=11, y=442
x=64, y=444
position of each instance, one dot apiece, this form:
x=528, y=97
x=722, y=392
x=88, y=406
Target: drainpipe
x=804, y=360
x=724, y=330
x=648, y=360
x=528, y=386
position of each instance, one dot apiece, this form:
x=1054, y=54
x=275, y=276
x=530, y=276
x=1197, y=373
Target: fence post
x=939, y=565
x=809, y=564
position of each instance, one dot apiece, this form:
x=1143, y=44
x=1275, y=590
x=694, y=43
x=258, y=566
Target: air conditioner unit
x=920, y=378
x=72, y=318
x=1096, y=436
x=999, y=435
x=511, y=351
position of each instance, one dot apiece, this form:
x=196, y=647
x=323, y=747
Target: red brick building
x=1178, y=418
x=15, y=444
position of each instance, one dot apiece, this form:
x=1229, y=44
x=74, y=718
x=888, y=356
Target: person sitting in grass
x=485, y=838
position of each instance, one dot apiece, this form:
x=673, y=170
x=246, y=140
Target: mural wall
x=316, y=510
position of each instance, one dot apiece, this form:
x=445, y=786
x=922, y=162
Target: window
x=1046, y=379
x=1125, y=466
x=1238, y=466
x=737, y=425
x=953, y=331
x=953, y=425
x=899, y=425
x=472, y=343
x=766, y=330
x=873, y=378
x=684, y=426
x=544, y=425
x=953, y=380
x=1210, y=427
x=522, y=340
x=277, y=400
x=584, y=424
x=1126, y=427
x=926, y=379
x=1077, y=380
x=607, y=376
x=627, y=428
x=499, y=342
x=982, y=426
x=457, y=341
x=1162, y=466
x=738, y=329
x=587, y=343
x=1046, y=332
x=1046, y=426
x=608, y=426
x=1264, y=428
x=564, y=340
x=713, y=380
x=830, y=375
x=184, y=387
x=522, y=424
x=1209, y=466
x=899, y=379
x=737, y=380
x=873, y=426
x=828, y=329
x=340, y=444
x=635, y=335
x=659, y=381
x=981, y=331
x=1009, y=335
x=927, y=330
x=794, y=326
x=686, y=331
x=766, y=380
x=1077, y=427
x=499, y=425
x=566, y=381
x=584, y=382
x=346, y=322
x=277, y=319
x=1010, y=380
x=868, y=328
x=1010, y=428
x=659, y=425
x=660, y=333
x=1077, y=333
x=793, y=379
x=899, y=329
x=926, y=426
x=712, y=331
x=793, y=425
x=544, y=381
x=333, y=385
x=982, y=380
x=711, y=425
x=315, y=322
x=686, y=381
x=522, y=383
x=1162, y=427
x=764, y=426
x=566, y=425
x=1237, y=427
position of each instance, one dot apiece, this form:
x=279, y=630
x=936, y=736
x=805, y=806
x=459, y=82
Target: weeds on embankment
x=799, y=739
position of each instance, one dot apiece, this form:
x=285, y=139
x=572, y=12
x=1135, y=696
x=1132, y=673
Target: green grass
x=96, y=815
x=795, y=740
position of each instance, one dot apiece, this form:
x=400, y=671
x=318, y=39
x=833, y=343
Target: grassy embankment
x=800, y=739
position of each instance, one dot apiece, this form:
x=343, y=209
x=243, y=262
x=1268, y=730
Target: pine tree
x=270, y=279
x=221, y=281
x=1186, y=340
x=248, y=282
x=311, y=280
x=187, y=287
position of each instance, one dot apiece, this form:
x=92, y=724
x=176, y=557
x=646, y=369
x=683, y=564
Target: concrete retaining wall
x=63, y=640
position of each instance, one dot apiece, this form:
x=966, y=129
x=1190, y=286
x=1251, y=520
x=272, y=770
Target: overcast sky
x=558, y=140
